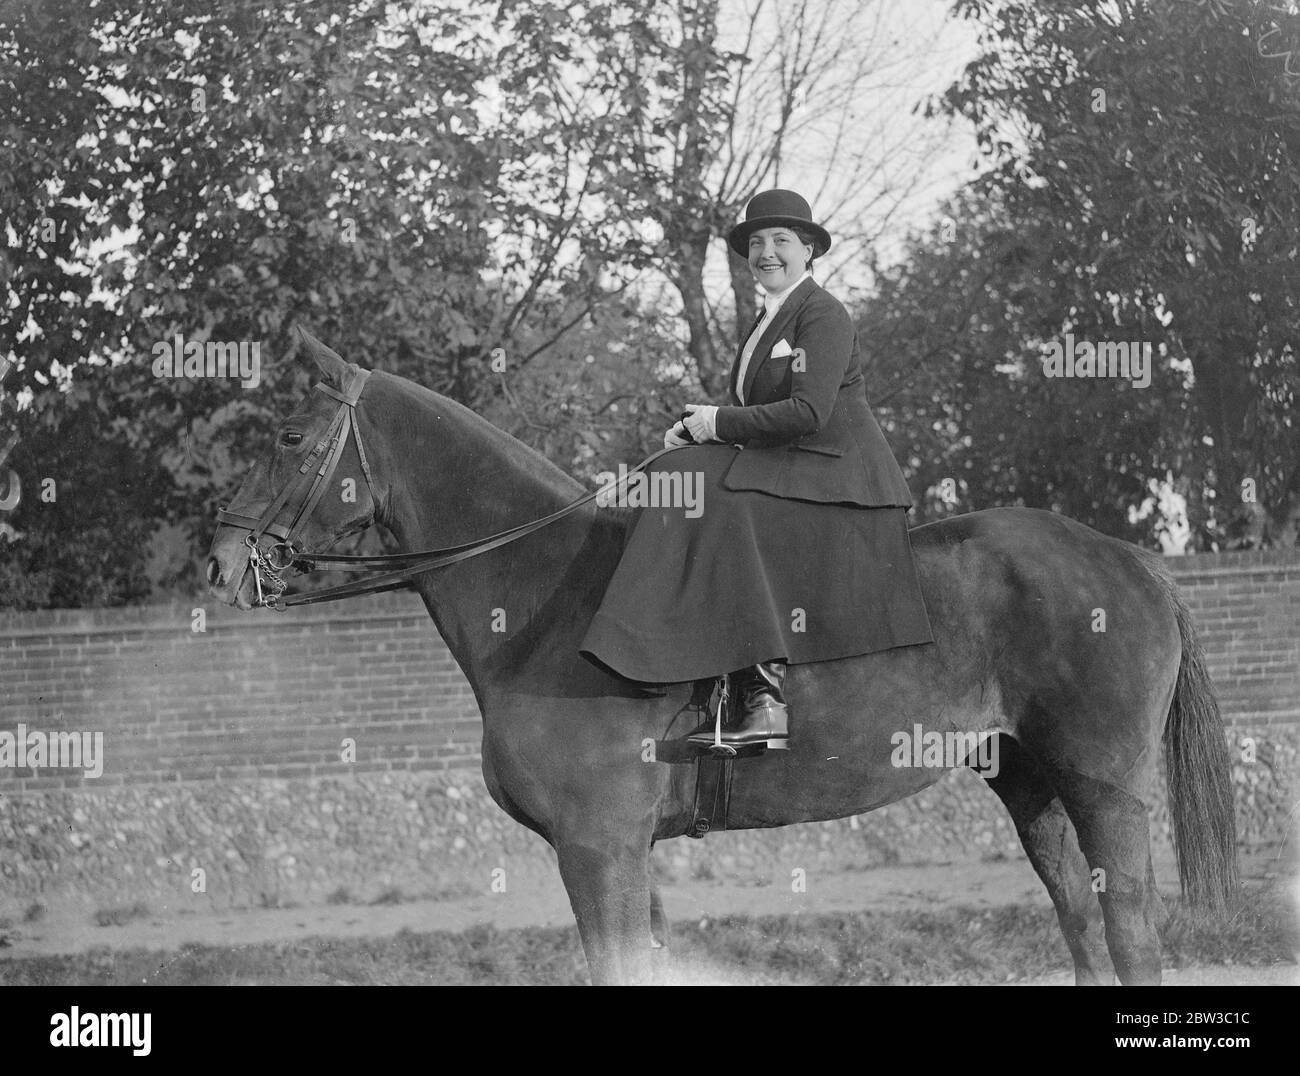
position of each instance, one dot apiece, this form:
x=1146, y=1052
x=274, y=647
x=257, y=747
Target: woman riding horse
x=800, y=552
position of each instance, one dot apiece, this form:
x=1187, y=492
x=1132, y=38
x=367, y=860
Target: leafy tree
x=952, y=339
x=83, y=530
x=1151, y=147
x=429, y=189
x=220, y=171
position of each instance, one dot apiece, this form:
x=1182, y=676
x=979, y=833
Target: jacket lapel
x=763, y=349
x=740, y=351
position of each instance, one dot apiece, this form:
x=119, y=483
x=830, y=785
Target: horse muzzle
x=229, y=573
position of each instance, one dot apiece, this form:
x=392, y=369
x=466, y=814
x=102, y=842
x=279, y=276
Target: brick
x=274, y=698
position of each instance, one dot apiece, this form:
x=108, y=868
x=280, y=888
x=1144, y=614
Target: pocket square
x=781, y=349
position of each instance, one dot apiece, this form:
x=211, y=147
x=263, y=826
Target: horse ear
x=316, y=356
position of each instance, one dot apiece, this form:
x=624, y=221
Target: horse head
x=312, y=488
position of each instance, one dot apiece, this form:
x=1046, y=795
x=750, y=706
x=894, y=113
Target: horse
x=1070, y=652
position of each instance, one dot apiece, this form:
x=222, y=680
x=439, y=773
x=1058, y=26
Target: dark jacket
x=808, y=434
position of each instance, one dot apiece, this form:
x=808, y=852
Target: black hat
x=777, y=209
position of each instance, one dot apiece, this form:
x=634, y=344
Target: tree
x=690, y=107
x=223, y=171
x=477, y=197
x=952, y=340
x=1158, y=146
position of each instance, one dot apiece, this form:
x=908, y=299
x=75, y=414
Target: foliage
x=223, y=171
x=1148, y=151
x=440, y=189
x=953, y=336
x=90, y=504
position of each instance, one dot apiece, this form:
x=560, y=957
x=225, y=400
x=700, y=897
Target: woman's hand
x=700, y=421
x=676, y=437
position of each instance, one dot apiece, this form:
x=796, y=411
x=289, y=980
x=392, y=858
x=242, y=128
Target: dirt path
x=544, y=903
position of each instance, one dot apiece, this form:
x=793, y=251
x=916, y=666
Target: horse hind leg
x=1115, y=836
x=1050, y=843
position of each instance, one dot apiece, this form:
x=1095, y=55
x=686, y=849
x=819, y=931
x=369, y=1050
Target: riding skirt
x=743, y=577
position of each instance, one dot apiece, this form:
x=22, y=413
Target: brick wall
x=253, y=695
x=275, y=695
x=1247, y=612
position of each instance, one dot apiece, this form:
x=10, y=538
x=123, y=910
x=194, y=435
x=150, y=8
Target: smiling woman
x=801, y=552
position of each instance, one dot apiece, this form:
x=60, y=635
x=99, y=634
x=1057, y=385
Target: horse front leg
x=659, y=928
x=608, y=881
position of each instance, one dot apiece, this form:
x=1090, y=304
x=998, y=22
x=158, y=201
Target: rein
x=398, y=568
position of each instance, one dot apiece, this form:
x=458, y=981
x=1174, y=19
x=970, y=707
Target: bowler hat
x=777, y=208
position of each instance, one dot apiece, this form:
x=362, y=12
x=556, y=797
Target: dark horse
x=1016, y=598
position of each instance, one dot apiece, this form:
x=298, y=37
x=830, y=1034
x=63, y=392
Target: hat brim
x=738, y=237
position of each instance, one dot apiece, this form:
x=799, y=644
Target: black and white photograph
x=703, y=493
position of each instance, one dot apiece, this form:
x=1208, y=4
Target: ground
x=979, y=891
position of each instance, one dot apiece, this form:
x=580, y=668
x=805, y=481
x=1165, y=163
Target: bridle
x=323, y=459
x=317, y=468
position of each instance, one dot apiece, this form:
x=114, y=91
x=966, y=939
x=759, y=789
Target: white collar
x=772, y=303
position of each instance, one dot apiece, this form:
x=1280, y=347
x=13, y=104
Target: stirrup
x=718, y=748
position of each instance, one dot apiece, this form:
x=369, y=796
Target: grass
x=120, y=916
x=959, y=945
x=274, y=902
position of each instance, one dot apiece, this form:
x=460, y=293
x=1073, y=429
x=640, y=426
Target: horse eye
x=291, y=437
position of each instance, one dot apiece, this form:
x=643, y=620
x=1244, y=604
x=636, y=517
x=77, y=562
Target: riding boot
x=706, y=697
x=763, y=717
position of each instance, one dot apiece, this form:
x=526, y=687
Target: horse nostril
x=214, y=572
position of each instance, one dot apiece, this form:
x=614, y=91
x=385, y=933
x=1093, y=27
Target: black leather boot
x=763, y=717
x=704, y=703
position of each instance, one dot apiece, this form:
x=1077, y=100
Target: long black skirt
x=754, y=578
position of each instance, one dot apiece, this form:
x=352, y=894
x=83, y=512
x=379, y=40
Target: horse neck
x=519, y=611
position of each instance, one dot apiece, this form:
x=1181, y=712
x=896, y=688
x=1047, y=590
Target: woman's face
x=777, y=258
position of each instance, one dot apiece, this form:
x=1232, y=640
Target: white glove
x=701, y=422
x=674, y=437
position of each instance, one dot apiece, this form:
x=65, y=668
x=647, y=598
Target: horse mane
x=530, y=462
x=559, y=582
x=550, y=483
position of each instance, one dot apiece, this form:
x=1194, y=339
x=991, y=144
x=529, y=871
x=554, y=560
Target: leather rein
x=397, y=569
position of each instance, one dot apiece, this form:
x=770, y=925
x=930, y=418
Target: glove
x=701, y=422
x=677, y=437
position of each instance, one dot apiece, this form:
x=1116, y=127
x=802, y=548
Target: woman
x=800, y=552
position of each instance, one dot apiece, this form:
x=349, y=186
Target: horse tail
x=1198, y=769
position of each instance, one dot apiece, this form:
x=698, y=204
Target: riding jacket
x=805, y=426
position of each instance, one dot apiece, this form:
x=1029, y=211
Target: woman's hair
x=808, y=239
